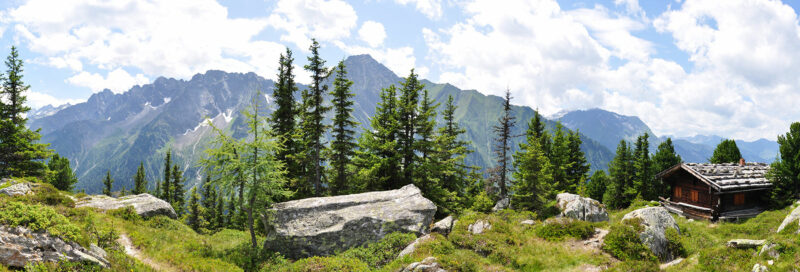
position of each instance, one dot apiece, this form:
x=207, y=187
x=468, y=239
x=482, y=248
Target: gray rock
x=413, y=246
x=16, y=188
x=145, y=205
x=759, y=268
x=656, y=220
x=479, y=227
x=323, y=225
x=97, y=251
x=770, y=249
x=501, y=204
x=429, y=264
x=581, y=208
x=20, y=246
x=673, y=262
x=793, y=217
x=746, y=243
x=443, y=226
x=527, y=222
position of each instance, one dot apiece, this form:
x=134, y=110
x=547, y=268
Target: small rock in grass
x=760, y=268
x=479, y=227
x=745, y=243
x=527, y=222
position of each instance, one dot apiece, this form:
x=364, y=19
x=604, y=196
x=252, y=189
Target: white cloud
x=431, y=8
x=118, y=81
x=325, y=20
x=372, y=33
x=37, y=100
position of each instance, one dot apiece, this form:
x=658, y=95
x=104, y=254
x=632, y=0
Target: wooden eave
x=673, y=169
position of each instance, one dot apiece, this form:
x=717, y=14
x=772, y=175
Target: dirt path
x=134, y=252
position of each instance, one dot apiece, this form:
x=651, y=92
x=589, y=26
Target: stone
x=759, y=268
x=16, y=188
x=527, y=222
x=429, y=264
x=596, y=241
x=413, y=246
x=321, y=226
x=793, y=217
x=656, y=220
x=581, y=208
x=479, y=227
x=501, y=204
x=97, y=251
x=673, y=262
x=443, y=226
x=20, y=246
x=745, y=243
x=145, y=205
x=770, y=249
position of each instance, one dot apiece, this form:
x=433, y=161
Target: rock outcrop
x=479, y=227
x=413, y=246
x=656, y=221
x=501, y=204
x=16, y=188
x=581, y=208
x=145, y=205
x=746, y=243
x=444, y=226
x=793, y=217
x=20, y=246
x=323, y=225
x=427, y=265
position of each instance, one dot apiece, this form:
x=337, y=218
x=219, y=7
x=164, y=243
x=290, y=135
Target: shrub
x=674, y=245
x=49, y=195
x=38, y=217
x=62, y=265
x=482, y=202
x=382, y=252
x=126, y=213
x=163, y=222
x=321, y=264
x=623, y=242
x=557, y=229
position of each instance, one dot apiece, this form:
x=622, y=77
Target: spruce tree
x=209, y=201
x=785, y=171
x=230, y=222
x=533, y=176
x=20, y=154
x=559, y=159
x=428, y=167
x=195, y=210
x=545, y=140
x=726, y=152
x=578, y=168
x=502, y=146
x=377, y=156
x=664, y=158
x=343, y=144
x=407, y=111
x=166, y=190
x=283, y=119
x=644, y=181
x=139, y=180
x=178, y=192
x=157, y=192
x=219, y=212
x=313, y=128
x=107, y=183
x=63, y=177
x=619, y=190
x=597, y=185
x=455, y=176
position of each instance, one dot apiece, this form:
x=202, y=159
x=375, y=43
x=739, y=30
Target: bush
x=126, y=213
x=49, y=195
x=62, y=265
x=38, y=217
x=382, y=252
x=674, y=245
x=557, y=229
x=623, y=242
x=321, y=264
x=482, y=203
x=163, y=222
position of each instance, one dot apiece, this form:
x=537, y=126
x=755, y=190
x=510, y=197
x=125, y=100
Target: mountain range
x=115, y=132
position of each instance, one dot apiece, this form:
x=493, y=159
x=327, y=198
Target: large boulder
x=581, y=208
x=793, y=217
x=20, y=246
x=324, y=225
x=656, y=221
x=145, y=205
x=444, y=226
x=14, y=187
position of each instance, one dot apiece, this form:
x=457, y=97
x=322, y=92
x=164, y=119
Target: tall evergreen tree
x=63, y=177
x=166, y=190
x=313, y=128
x=726, y=152
x=597, y=185
x=559, y=159
x=619, y=190
x=20, y=154
x=643, y=180
x=407, y=111
x=455, y=176
x=108, y=182
x=578, y=168
x=785, y=171
x=139, y=180
x=428, y=167
x=533, y=174
x=178, y=192
x=377, y=156
x=665, y=158
x=343, y=144
x=195, y=219
x=219, y=212
x=502, y=146
x=230, y=221
x=283, y=119
x=209, y=202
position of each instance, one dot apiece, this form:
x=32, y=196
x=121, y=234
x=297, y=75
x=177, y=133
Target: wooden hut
x=725, y=191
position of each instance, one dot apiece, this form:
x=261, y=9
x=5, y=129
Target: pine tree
x=107, y=183
x=157, y=192
x=343, y=144
x=428, y=167
x=597, y=185
x=545, y=141
x=63, y=177
x=578, y=168
x=644, y=181
x=219, y=212
x=376, y=157
x=178, y=192
x=313, y=128
x=209, y=201
x=407, y=111
x=452, y=152
x=503, y=144
x=195, y=219
x=726, y=152
x=619, y=190
x=166, y=190
x=559, y=159
x=229, y=217
x=20, y=155
x=139, y=180
x=664, y=158
x=785, y=171
x=283, y=119
x=533, y=175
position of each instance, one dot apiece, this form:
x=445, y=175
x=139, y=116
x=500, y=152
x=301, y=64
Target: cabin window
x=677, y=194
x=694, y=196
x=738, y=199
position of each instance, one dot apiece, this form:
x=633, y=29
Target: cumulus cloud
x=325, y=20
x=118, y=81
x=372, y=33
x=430, y=8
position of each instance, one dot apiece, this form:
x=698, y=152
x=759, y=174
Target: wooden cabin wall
x=752, y=199
x=689, y=183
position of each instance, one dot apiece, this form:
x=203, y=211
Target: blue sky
x=684, y=67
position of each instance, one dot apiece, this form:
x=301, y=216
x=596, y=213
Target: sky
x=691, y=67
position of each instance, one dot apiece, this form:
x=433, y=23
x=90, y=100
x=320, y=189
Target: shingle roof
x=729, y=176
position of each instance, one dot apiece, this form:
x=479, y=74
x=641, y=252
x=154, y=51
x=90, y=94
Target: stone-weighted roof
x=729, y=176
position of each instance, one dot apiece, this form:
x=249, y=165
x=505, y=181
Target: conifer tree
x=229, y=217
x=578, y=168
x=195, y=210
x=545, y=141
x=209, y=201
x=166, y=190
x=139, y=180
x=313, y=128
x=619, y=190
x=664, y=158
x=644, y=182
x=20, y=154
x=428, y=166
x=455, y=176
x=726, y=152
x=178, y=192
x=157, y=192
x=219, y=212
x=407, y=111
x=377, y=156
x=559, y=159
x=63, y=177
x=502, y=146
x=283, y=119
x=597, y=185
x=107, y=183
x=533, y=175
x=343, y=144
x=785, y=171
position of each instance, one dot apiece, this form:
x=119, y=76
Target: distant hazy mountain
x=609, y=128
x=115, y=132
